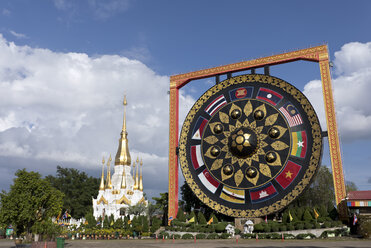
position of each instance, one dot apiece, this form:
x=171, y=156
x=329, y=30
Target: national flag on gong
x=299, y=144
x=208, y=181
x=288, y=174
x=263, y=194
x=291, y=113
x=233, y=195
x=269, y=95
x=241, y=93
x=216, y=104
x=196, y=157
x=199, y=128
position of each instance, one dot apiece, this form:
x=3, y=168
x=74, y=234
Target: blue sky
x=65, y=65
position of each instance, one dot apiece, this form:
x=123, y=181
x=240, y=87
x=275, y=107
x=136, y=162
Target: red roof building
x=359, y=200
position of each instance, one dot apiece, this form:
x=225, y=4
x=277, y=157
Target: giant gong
x=250, y=145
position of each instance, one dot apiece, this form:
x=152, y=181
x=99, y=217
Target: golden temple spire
x=134, y=172
x=123, y=154
x=101, y=187
x=141, y=177
x=123, y=183
x=108, y=179
x=136, y=175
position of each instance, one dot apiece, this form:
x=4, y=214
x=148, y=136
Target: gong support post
x=318, y=54
x=333, y=137
x=173, y=156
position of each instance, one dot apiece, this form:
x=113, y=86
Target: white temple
x=123, y=189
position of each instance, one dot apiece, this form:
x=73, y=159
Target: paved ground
x=210, y=243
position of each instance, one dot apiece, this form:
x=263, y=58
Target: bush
x=180, y=215
x=201, y=218
x=290, y=227
x=275, y=228
x=237, y=231
x=307, y=216
x=213, y=236
x=288, y=236
x=305, y=236
x=275, y=236
x=267, y=228
x=200, y=236
x=327, y=224
x=220, y=227
x=176, y=236
x=308, y=225
x=187, y=236
x=215, y=219
x=248, y=235
x=225, y=236
x=258, y=228
x=299, y=226
x=317, y=225
x=283, y=228
x=365, y=227
x=166, y=235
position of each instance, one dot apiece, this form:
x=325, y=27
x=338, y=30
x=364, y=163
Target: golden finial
x=141, y=176
x=136, y=176
x=123, y=154
x=101, y=187
x=108, y=179
x=125, y=103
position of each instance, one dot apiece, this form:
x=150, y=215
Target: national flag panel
x=196, y=157
x=299, y=144
x=292, y=115
x=199, y=128
x=262, y=194
x=233, y=195
x=216, y=104
x=241, y=93
x=269, y=95
x=288, y=175
x=208, y=181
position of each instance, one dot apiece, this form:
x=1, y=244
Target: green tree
x=162, y=203
x=78, y=189
x=350, y=186
x=321, y=191
x=92, y=223
x=193, y=215
x=137, y=209
x=201, y=218
x=151, y=210
x=31, y=199
x=180, y=215
x=189, y=198
x=307, y=216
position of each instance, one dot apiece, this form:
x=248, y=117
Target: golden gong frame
x=317, y=54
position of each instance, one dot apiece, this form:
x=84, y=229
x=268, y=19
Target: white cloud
x=66, y=108
x=6, y=12
x=18, y=35
x=100, y=9
x=352, y=87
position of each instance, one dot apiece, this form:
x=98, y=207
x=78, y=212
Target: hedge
x=213, y=236
x=187, y=236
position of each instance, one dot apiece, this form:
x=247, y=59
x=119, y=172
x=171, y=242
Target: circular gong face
x=250, y=145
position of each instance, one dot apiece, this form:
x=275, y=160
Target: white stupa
x=124, y=189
